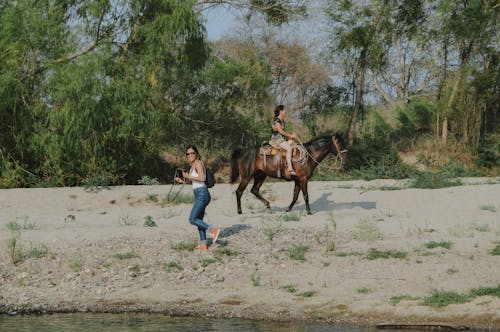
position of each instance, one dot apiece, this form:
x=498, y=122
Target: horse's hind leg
x=239, y=192
x=258, y=180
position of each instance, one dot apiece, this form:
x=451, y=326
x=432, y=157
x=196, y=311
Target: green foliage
x=126, y=255
x=398, y=298
x=442, y=244
x=184, y=245
x=289, y=288
x=444, y=298
x=255, y=278
x=172, y=266
x=38, y=251
x=376, y=254
x=307, y=294
x=224, y=251
x=488, y=154
x=430, y=180
x=298, y=251
x=416, y=117
x=147, y=181
x=207, y=261
x=495, y=251
x=149, y=222
x=454, y=168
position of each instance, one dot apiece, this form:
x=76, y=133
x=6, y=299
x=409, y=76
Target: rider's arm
x=280, y=130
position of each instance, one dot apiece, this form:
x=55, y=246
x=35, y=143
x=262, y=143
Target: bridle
x=340, y=153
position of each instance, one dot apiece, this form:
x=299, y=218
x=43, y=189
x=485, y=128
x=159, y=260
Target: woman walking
x=196, y=176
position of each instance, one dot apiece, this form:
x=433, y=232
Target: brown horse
x=249, y=163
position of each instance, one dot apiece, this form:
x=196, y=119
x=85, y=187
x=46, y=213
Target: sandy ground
x=91, y=251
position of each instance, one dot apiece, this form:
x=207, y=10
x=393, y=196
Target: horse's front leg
x=303, y=186
x=258, y=180
x=296, y=191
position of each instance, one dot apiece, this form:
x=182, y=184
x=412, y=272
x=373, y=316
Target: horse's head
x=340, y=147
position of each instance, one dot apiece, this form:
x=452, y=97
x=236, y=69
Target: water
x=155, y=322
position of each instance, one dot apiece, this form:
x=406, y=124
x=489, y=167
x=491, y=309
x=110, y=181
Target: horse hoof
x=239, y=212
x=309, y=212
x=288, y=210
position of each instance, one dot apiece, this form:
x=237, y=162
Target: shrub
x=147, y=181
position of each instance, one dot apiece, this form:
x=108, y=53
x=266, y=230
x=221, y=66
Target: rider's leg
x=288, y=149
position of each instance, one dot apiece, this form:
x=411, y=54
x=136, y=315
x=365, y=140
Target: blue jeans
x=201, y=199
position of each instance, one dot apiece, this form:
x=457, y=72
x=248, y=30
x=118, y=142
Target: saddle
x=268, y=150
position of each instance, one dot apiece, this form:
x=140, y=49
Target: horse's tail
x=235, y=173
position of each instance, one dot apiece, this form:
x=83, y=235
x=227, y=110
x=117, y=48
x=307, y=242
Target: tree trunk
x=356, y=115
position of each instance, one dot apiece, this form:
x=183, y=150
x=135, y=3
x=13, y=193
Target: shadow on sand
x=324, y=204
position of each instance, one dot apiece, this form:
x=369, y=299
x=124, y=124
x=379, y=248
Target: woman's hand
x=178, y=180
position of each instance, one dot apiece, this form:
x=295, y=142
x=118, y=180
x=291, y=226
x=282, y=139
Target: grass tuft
x=442, y=244
x=289, y=288
x=495, y=251
x=126, y=255
x=298, y=251
x=149, y=222
x=172, y=266
x=376, y=254
x=184, y=245
x=444, y=298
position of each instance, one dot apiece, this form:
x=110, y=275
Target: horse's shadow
x=324, y=204
x=228, y=231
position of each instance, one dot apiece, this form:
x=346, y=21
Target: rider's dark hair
x=278, y=109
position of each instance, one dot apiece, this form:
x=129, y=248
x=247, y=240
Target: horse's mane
x=319, y=141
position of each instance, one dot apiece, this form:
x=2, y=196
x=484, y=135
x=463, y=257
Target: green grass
x=149, y=222
x=366, y=230
x=398, y=298
x=38, y=251
x=347, y=254
x=444, y=298
x=442, y=244
x=485, y=291
x=289, y=288
x=182, y=198
x=255, y=278
x=291, y=216
x=495, y=251
x=152, y=198
x=307, y=293
x=298, y=251
x=224, y=251
x=207, y=261
x=172, y=266
x=147, y=181
x=18, y=225
x=364, y=290
x=127, y=220
x=376, y=254
x=16, y=253
x=489, y=207
x=184, y=245
x=76, y=264
x=428, y=180
x=126, y=255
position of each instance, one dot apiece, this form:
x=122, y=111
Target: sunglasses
x=190, y=153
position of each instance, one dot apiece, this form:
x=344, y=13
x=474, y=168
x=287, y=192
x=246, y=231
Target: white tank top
x=196, y=184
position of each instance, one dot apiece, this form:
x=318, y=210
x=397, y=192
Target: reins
x=337, y=156
x=170, y=191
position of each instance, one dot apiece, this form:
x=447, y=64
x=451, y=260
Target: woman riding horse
x=249, y=163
